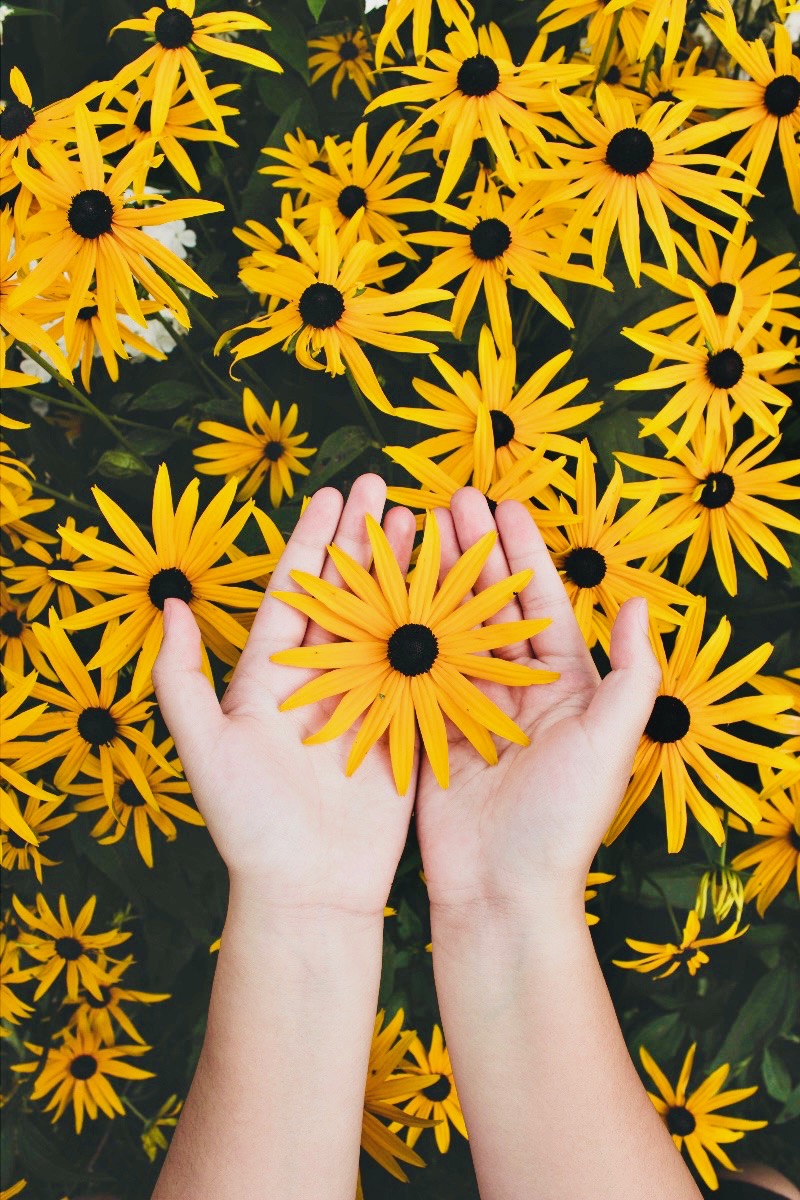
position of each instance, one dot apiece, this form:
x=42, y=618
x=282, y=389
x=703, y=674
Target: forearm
x=551, y=1100
x=276, y=1104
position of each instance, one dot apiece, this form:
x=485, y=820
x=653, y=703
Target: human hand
x=504, y=837
x=284, y=816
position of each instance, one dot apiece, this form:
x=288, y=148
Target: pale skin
x=554, y=1106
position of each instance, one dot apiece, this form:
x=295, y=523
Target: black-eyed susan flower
x=348, y=55
x=41, y=816
x=690, y=953
x=267, y=449
x=34, y=579
x=505, y=240
x=328, y=311
x=787, y=723
x=595, y=553
x=726, y=370
x=59, y=944
x=686, y=723
x=132, y=809
x=408, y=651
x=152, y=1137
x=93, y=1014
x=694, y=1119
x=720, y=890
x=766, y=105
x=180, y=563
x=78, y=1070
x=12, y=1008
x=474, y=90
x=453, y=12
x=88, y=228
x=562, y=14
x=521, y=420
x=728, y=492
x=661, y=81
x=623, y=76
x=439, y=1100
x=631, y=163
x=590, y=892
x=17, y=722
x=23, y=322
x=178, y=34
x=292, y=159
x=776, y=854
x=18, y=645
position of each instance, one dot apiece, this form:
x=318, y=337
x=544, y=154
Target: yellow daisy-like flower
x=178, y=34
x=506, y=239
x=267, y=448
x=474, y=90
x=328, y=310
x=131, y=808
x=595, y=552
x=22, y=323
x=153, y=1139
x=78, y=1071
x=766, y=105
x=622, y=74
x=292, y=160
x=631, y=163
x=35, y=578
x=660, y=84
x=602, y=14
x=95, y=1015
x=12, y=1009
x=438, y=1101
x=348, y=56
x=694, y=1120
x=728, y=492
x=88, y=228
x=776, y=856
x=685, y=724
x=590, y=891
x=725, y=369
x=181, y=563
x=18, y=643
x=407, y=652
x=519, y=421
x=60, y=944
x=15, y=725
x=453, y=12
x=41, y=816
x=723, y=887
x=689, y=953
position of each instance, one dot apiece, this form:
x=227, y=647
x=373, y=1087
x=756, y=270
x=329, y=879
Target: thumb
x=185, y=696
x=621, y=706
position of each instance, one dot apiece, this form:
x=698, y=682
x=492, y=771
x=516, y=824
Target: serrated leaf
x=165, y=395
x=119, y=464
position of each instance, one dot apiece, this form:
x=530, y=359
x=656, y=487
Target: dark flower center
x=665, y=96
x=321, y=305
x=502, y=427
x=720, y=297
x=680, y=1121
x=669, y=721
x=84, y=1066
x=725, y=368
x=613, y=75
x=86, y=314
x=91, y=213
x=782, y=95
x=144, y=117
x=173, y=29
x=348, y=50
x=439, y=1090
x=93, y=1001
x=478, y=76
x=15, y=119
x=273, y=451
x=129, y=794
x=10, y=623
x=351, y=199
x=489, y=239
x=97, y=726
x=585, y=566
x=717, y=490
x=630, y=152
x=412, y=649
x=685, y=954
x=61, y=564
x=69, y=948
x=169, y=582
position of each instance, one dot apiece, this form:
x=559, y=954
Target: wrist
x=254, y=898
x=537, y=923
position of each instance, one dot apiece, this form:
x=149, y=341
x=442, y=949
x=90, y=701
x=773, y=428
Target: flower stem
x=363, y=404
x=670, y=909
x=48, y=491
x=612, y=37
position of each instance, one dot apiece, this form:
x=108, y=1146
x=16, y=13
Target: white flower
x=792, y=23
x=174, y=235
x=371, y=4
x=5, y=11
x=155, y=333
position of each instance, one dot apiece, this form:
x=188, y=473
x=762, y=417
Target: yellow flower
x=16, y=724
x=452, y=12
x=694, y=1120
x=42, y=817
x=292, y=160
x=88, y=229
x=23, y=323
x=153, y=1139
x=407, y=652
x=61, y=944
x=141, y=577
x=661, y=84
x=590, y=891
x=267, y=448
x=12, y=1009
x=622, y=74
x=728, y=492
x=17, y=640
x=562, y=14
x=348, y=55
x=178, y=34
x=328, y=311
x=725, y=888
x=631, y=163
x=79, y=1069
x=38, y=580
x=685, y=724
x=439, y=1100
x=776, y=855
x=689, y=953
x=94, y=1015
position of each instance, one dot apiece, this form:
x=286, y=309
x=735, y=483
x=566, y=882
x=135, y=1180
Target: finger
x=545, y=595
x=450, y=549
x=185, y=696
x=400, y=528
x=473, y=519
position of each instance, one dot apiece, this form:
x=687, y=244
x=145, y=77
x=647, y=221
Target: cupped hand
x=284, y=816
x=528, y=827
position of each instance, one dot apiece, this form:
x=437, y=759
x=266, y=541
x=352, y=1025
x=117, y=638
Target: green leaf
x=315, y=7
x=41, y=1161
x=662, y=1037
x=165, y=395
x=119, y=464
x=791, y=1109
x=151, y=441
x=775, y=1074
x=768, y=1010
x=336, y=453
x=409, y=925
x=618, y=430
x=287, y=38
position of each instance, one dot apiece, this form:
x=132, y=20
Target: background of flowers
x=740, y=1008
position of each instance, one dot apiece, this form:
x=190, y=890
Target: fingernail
x=643, y=614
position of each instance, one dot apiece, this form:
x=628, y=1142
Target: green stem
x=48, y=491
x=646, y=69
x=65, y=404
x=612, y=37
x=670, y=909
x=129, y=1104
x=367, y=413
x=222, y=172
x=723, y=850
x=252, y=375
